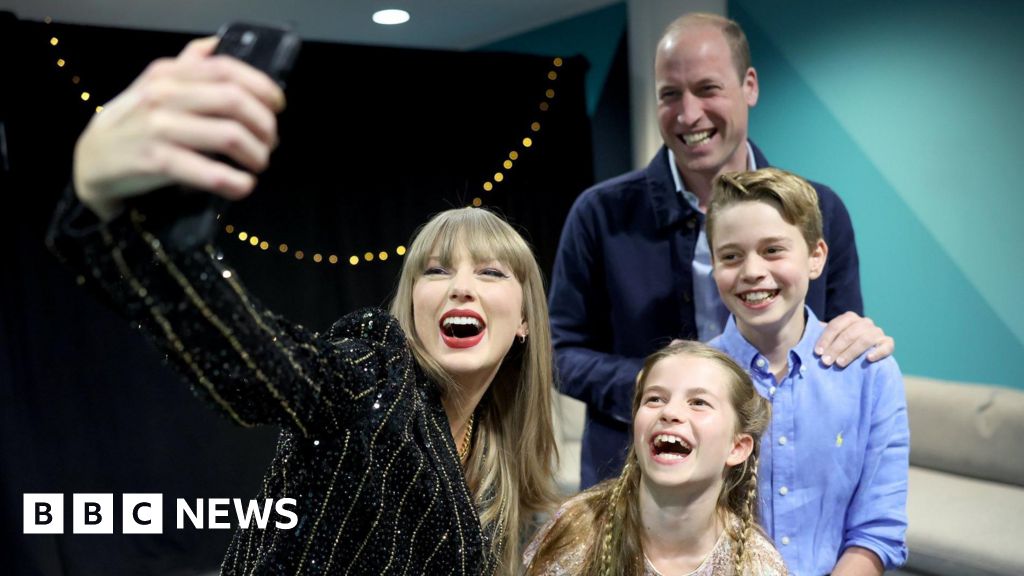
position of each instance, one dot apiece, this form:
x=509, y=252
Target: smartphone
x=271, y=49
x=184, y=218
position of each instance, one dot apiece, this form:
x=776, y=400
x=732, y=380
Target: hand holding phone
x=186, y=218
x=150, y=140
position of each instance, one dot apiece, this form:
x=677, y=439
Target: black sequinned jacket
x=365, y=450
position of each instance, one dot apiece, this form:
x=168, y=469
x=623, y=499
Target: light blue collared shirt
x=834, y=460
x=709, y=311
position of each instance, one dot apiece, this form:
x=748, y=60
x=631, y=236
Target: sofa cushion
x=569, y=415
x=963, y=525
x=971, y=430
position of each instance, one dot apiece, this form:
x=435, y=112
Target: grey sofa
x=966, y=498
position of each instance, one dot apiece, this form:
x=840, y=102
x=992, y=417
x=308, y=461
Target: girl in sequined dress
x=686, y=501
x=416, y=441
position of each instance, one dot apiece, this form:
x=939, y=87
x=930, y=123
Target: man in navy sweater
x=633, y=270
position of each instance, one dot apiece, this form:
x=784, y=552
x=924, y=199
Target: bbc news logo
x=143, y=513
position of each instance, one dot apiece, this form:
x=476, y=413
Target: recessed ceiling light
x=390, y=17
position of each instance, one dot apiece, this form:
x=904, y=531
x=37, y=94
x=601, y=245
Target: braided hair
x=739, y=492
x=746, y=502
x=619, y=551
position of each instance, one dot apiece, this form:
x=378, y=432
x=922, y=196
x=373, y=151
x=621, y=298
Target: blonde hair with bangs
x=512, y=461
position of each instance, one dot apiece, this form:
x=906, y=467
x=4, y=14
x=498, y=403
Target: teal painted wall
x=595, y=35
x=909, y=110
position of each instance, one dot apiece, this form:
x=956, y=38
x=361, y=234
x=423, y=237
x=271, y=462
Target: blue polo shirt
x=833, y=470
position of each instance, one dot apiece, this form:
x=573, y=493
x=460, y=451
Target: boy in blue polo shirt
x=833, y=470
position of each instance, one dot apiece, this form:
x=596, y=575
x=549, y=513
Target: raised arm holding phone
x=415, y=439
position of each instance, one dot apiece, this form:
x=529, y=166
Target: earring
x=522, y=339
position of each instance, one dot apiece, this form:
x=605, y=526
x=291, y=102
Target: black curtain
x=374, y=141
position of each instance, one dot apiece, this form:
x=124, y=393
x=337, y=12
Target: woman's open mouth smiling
x=462, y=328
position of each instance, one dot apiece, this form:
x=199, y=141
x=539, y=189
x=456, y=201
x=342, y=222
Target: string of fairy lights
x=254, y=240
x=63, y=64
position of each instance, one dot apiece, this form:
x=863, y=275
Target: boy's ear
x=817, y=259
x=742, y=446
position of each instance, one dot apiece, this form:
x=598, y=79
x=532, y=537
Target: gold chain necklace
x=466, y=440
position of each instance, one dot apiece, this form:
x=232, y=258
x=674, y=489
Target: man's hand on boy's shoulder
x=848, y=336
